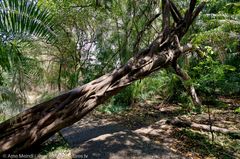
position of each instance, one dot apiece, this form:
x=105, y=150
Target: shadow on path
x=102, y=139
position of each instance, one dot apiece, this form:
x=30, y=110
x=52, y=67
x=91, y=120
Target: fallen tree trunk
x=40, y=122
x=188, y=124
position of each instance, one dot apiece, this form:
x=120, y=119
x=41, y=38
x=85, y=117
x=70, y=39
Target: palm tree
x=20, y=20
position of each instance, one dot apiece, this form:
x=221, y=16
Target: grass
x=237, y=110
x=2, y=118
x=200, y=144
x=112, y=109
x=55, y=147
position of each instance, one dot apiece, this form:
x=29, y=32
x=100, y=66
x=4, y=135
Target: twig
x=210, y=124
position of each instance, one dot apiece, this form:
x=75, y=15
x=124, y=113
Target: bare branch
x=177, y=41
x=166, y=19
x=189, y=12
x=198, y=10
x=183, y=27
x=190, y=88
x=175, y=12
x=140, y=34
x=192, y=6
x=82, y=6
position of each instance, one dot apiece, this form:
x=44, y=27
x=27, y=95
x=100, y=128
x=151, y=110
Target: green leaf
x=229, y=67
x=24, y=18
x=237, y=110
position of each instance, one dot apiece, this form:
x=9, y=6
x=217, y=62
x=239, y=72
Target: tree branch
x=189, y=87
x=188, y=124
x=175, y=12
x=166, y=19
x=198, y=10
x=140, y=34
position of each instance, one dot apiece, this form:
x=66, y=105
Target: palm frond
x=24, y=18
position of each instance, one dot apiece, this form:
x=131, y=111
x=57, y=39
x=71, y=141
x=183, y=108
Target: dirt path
x=99, y=138
x=142, y=133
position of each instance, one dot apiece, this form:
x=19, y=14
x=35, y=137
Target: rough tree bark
x=190, y=88
x=38, y=123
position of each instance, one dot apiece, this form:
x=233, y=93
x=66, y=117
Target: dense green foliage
x=20, y=21
x=93, y=37
x=217, y=33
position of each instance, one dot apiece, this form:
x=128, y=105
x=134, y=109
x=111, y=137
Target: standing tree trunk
x=38, y=123
x=190, y=88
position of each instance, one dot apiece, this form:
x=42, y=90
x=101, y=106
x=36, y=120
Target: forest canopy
x=94, y=37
